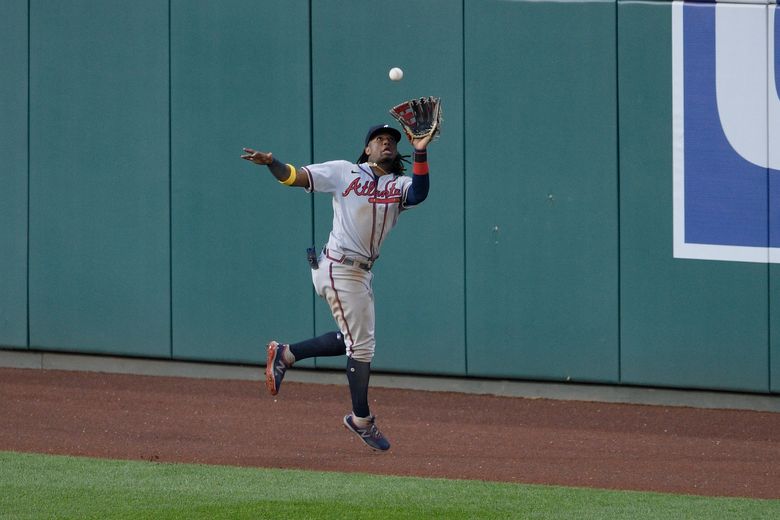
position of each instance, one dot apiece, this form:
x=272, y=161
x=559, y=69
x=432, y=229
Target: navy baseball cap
x=375, y=131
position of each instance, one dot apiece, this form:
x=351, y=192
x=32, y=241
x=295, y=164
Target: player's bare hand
x=422, y=143
x=257, y=157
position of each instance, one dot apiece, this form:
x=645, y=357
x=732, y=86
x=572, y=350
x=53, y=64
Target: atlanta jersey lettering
x=365, y=207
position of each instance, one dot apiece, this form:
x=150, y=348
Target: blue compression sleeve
x=418, y=191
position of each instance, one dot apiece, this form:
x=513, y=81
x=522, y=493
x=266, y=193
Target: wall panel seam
x=170, y=186
x=27, y=266
x=617, y=182
x=463, y=201
x=312, y=293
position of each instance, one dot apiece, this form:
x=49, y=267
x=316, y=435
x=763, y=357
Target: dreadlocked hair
x=398, y=164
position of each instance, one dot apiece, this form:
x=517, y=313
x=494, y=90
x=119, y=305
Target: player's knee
x=364, y=353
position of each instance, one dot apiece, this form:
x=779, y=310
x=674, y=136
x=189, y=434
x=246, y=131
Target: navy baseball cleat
x=275, y=366
x=370, y=434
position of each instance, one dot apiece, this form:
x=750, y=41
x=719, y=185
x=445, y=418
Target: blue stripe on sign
x=725, y=195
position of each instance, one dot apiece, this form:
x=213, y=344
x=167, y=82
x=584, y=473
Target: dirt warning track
x=433, y=434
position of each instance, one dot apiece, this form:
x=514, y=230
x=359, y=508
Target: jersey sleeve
x=416, y=191
x=406, y=190
x=328, y=177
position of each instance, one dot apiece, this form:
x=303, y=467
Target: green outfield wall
x=545, y=251
x=13, y=174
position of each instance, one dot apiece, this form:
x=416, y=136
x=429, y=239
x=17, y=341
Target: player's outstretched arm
x=418, y=191
x=287, y=174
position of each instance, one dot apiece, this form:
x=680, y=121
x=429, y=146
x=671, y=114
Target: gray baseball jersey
x=365, y=207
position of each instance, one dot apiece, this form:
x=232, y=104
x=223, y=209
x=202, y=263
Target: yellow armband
x=293, y=175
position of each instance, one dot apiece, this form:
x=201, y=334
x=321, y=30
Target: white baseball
x=396, y=74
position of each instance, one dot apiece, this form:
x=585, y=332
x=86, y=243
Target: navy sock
x=330, y=344
x=358, y=373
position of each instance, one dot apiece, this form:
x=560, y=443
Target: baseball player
x=368, y=196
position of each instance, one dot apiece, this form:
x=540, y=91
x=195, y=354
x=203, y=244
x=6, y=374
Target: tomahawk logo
x=726, y=132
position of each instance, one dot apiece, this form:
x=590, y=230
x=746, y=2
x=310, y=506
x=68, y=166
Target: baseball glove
x=419, y=117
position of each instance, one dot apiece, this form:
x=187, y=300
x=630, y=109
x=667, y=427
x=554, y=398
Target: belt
x=366, y=266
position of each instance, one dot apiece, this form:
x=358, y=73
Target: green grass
x=44, y=486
